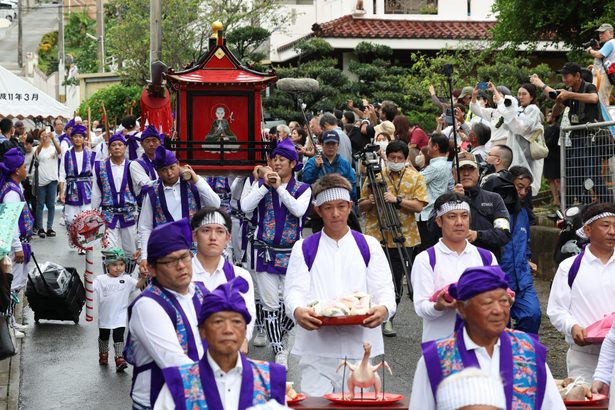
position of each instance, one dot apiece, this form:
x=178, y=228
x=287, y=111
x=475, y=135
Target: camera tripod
x=387, y=214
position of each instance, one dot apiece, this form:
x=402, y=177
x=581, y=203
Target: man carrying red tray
x=324, y=266
x=583, y=288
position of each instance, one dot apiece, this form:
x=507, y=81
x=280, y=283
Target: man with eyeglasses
x=499, y=158
x=162, y=321
x=211, y=230
x=171, y=198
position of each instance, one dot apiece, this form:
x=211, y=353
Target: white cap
x=470, y=387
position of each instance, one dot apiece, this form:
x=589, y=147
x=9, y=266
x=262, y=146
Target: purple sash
x=211, y=390
x=229, y=271
x=310, y=248
x=133, y=145
x=574, y=268
x=156, y=378
x=147, y=165
x=121, y=212
x=76, y=180
x=183, y=189
x=247, y=394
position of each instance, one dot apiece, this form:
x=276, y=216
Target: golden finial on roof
x=216, y=27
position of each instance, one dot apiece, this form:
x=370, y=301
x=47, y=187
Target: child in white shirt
x=112, y=292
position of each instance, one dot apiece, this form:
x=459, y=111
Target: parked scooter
x=568, y=243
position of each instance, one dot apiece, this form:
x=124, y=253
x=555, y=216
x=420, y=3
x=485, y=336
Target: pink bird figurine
x=364, y=375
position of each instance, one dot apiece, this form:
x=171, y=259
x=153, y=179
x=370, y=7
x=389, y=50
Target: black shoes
x=41, y=233
x=51, y=233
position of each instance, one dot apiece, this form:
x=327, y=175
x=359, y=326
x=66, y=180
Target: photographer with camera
x=603, y=58
x=581, y=162
x=407, y=192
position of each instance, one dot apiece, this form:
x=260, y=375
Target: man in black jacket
x=489, y=222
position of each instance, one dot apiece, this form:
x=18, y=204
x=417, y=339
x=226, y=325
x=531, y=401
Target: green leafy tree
x=246, y=43
x=128, y=31
x=238, y=13
x=78, y=45
x=186, y=27
x=528, y=21
x=48, y=53
x=118, y=99
x=376, y=77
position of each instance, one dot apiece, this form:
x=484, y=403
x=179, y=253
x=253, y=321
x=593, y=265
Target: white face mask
x=396, y=166
x=382, y=144
x=420, y=160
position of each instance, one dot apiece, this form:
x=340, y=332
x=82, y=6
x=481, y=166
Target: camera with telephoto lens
x=593, y=43
x=369, y=156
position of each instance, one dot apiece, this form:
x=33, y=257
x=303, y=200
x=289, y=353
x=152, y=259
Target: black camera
x=593, y=43
x=447, y=69
x=368, y=156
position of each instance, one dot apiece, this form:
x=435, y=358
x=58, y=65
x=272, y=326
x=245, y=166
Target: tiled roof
x=349, y=27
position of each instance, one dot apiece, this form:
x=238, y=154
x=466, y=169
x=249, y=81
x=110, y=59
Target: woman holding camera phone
x=46, y=181
x=524, y=123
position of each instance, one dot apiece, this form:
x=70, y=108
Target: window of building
x=410, y=6
x=299, y=2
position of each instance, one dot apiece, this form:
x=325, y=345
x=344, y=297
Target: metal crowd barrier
x=587, y=163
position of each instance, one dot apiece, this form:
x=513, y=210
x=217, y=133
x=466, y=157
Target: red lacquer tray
x=300, y=397
x=342, y=320
x=368, y=399
x=597, y=398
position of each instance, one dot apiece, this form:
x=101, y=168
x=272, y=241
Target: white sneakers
x=281, y=358
x=20, y=327
x=260, y=340
x=18, y=334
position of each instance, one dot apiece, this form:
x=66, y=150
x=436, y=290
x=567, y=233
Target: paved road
x=36, y=22
x=60, y=359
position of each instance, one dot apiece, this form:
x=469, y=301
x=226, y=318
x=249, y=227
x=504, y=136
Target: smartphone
x=48, y=129
x=482, y=85
x=448, y=117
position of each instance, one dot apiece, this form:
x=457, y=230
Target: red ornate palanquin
x=218, y=109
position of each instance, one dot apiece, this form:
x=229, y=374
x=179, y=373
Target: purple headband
x=150, y=132
x=69, y=124
x=168, y=238
x=117, y=137
x=477, y=280
x=163, y=158
x=287, y=150
x=226, y=297
x=78, y=129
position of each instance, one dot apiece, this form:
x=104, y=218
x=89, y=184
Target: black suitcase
x=55, y=292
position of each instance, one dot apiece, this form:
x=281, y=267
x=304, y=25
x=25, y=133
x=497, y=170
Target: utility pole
x=19, y=35
x=155, y=27
x=100, y=35
x=61, y=56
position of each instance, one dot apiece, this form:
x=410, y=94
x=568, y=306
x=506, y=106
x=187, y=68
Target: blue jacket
x=517, y=252
x=339, y=165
